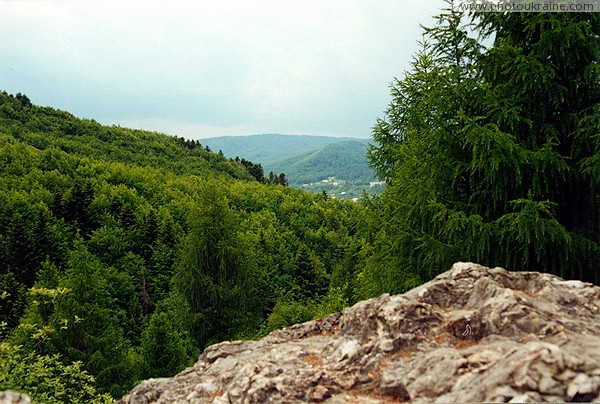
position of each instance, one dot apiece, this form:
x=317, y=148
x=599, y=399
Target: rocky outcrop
x=472, y=334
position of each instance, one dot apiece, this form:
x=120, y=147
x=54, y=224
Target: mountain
x=266, y=148
x=473, y=334
x=342, y=160
x=336, y=165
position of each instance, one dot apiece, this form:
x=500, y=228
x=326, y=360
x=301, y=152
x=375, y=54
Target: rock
x=11, y=397
x=472, y=334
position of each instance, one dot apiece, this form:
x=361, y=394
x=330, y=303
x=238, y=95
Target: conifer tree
x=491, y=154
x=308, y=273
x=282, y=180
x=214, y=272
x=86, y=323
x=163, y=349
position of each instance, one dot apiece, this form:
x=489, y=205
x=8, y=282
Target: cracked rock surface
x=473, y=334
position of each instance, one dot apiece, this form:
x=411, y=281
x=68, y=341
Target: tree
x=25, y=101
x=255, y=170
x=163, y=349
x=78, y=206
x=489, y=153
x=309, y=274
x=45, y=378
x=13, y=300
x=20, y=250
x=149, y=233
x=86, y=323
x=548, y=63
x=214, y=272
x=281, y=180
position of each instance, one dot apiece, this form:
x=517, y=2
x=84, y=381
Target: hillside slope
x=344, y=160
x=49, y=128
x=266, y=148
x=473, y=334
x=309, y=162
x=124, y=253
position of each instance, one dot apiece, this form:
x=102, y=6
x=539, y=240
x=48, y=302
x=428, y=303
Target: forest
x=124, y=253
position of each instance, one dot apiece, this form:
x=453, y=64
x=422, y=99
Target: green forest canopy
x=124, y=253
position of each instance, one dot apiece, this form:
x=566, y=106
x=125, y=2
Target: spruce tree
x=491, y=155
x=86, y=323
x=214, y=272
x=308, y=274
x=162, y=348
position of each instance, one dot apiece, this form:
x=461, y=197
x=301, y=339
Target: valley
x=338, y=166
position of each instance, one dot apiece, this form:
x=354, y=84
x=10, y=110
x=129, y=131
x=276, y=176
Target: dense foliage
x=491, y=154
x=124, y=253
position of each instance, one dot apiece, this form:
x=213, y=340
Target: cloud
x=318, y=66
x=180, y=128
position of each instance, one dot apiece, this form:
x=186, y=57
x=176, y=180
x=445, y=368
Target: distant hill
x=309, y=162
x=344, y=160
x=267, y=148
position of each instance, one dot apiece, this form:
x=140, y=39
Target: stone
x=472, y=334
x=12, y=397
x=583, y=387
x=318, y=394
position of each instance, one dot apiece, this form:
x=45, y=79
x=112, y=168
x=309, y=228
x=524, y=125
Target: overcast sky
x=213, y=67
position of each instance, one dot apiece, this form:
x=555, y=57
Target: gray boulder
x=473, y=334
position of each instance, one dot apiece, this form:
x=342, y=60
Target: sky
x=209, y=68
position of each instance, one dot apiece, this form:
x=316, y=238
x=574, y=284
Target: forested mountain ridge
x=265, y=148
x=124, y=252
x=46, y=127
x=345, y=159
x=307, y=161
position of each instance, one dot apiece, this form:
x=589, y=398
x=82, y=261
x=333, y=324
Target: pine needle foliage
x=491, y=154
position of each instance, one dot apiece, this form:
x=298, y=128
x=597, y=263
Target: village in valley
x=337, y=188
